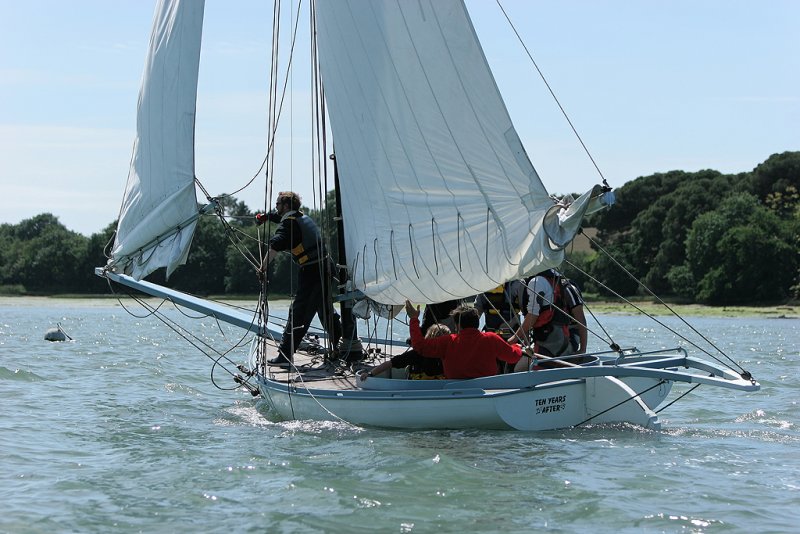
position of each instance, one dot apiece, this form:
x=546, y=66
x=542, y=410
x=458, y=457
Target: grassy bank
x=788, y=311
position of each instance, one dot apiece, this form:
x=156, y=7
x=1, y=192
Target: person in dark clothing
x=573, y=300
x=299, y=235
x=439, y=313
x=501, y=307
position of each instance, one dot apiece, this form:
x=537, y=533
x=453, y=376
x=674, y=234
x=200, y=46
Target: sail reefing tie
x=459, y=220
x=433, y=242
x=364, y=266
x=613, y=346
x=391, y=249
x=375, y=251
x=411, y=246
x=486, y=253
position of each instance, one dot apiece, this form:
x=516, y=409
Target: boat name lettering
x=551, y=404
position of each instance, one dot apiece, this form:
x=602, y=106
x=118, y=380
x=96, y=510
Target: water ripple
x=20, y=375
x=122, y=431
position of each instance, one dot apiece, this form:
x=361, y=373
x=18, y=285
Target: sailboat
x=438, y=201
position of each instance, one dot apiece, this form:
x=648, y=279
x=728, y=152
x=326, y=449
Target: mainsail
x=159, y=210
x=439, y=198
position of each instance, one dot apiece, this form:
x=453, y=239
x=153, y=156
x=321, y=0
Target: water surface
x=123, y=430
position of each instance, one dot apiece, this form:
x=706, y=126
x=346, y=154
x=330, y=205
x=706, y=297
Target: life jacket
x=500, y=302
x=550, y=312
x=423, y=376
x=501, y=313
x=561, y=314
x=308, y=251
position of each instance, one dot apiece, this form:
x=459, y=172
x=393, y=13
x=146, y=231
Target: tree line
x=703, y=237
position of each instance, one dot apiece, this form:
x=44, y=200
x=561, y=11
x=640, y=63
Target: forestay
x=159, y=210
x=439, y=198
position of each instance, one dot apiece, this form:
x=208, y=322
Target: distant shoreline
x=784, y=311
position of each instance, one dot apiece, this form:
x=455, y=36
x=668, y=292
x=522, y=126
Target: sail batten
x=159, y=209
x=422, y=134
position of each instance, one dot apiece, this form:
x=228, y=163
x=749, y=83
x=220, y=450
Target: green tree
x=99, y=245
x=236, y=211
x=647, y=229
x=9, y=253
x=776, y=174
x=614, y=278
x=204, y=272
x=785, y=203
x=659, y=233
x=741, y=253
x=633, y=198
x=43, y=256
x=240, y=273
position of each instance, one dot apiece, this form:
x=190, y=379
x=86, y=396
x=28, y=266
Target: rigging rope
x=678, y=398
x=552, y=93
x=610, y=342
x=657, y=384
x=695, y=345
x=153, y=311
x=596, y=320
x=274, y=117
x=641, y=284
x=236, y=237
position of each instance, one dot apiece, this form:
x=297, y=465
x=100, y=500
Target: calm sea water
x=122, y=430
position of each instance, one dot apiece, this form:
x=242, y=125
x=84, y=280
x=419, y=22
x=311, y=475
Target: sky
x=650, y=86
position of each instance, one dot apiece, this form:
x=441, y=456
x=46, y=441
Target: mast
x=351, y=344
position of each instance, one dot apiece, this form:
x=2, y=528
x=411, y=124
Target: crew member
x=544, y=317
x=299, y=235
x=501, y=307
x=469, y=353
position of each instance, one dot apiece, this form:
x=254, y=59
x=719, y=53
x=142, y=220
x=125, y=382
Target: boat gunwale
x=405, y=394
x=503, y=385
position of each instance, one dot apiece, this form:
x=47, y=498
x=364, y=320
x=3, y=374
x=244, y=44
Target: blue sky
x=651, y=86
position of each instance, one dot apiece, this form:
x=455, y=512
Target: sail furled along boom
x=439, y=198
x=159, y=210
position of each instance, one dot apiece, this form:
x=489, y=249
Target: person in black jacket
x=299, y=235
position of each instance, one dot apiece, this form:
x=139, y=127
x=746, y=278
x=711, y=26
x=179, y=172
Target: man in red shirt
x=469, y=353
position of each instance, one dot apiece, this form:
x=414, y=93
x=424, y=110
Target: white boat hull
x=611, y=388
x=560, y=405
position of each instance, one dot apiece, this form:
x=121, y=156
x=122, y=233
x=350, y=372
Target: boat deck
x=312, y=369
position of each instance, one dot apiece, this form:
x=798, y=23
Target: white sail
x=439, y=198
x=159, y=210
